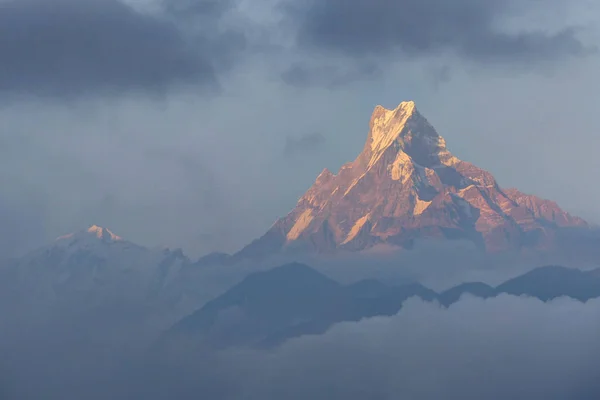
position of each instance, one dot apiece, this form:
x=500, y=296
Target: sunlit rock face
x=404, y=186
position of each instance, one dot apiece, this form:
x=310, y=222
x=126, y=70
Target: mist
x=496, y=348
x=196, y=124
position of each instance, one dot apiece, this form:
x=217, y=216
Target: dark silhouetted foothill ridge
x=295, y=300
x=551, y=282
x=267, y=301
x=476, y=289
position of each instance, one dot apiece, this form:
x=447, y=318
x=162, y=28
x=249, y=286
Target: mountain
x=96, y=278
x=94, y=258
x=551, y=282
x=270, y=307
x=215, y=258
x=271, y=301
x=405, y=186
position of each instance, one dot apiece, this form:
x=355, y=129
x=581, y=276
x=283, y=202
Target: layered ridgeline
x=404, y=186
x=270, y=307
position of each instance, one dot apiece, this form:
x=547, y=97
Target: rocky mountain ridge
x=406, y=186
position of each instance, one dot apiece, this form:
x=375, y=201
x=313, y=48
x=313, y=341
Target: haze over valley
x=288, y=199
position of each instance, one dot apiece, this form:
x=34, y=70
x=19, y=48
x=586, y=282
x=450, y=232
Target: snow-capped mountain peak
x=94, y=231
x=404, y=186
x=406, y=133
x=103, y=233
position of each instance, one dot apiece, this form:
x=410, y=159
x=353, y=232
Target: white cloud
x=507, y=347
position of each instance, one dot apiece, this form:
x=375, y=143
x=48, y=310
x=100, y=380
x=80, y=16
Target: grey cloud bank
x=468, y=28
x=494, y=349
x=507, y=347
x=100, y=47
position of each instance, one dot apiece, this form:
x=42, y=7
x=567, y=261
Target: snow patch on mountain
x=301, y=224
x=404, y=186
x=93, y=231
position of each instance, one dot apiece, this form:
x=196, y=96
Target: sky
x=197, y=123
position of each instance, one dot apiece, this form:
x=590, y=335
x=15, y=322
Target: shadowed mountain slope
x=267, y=308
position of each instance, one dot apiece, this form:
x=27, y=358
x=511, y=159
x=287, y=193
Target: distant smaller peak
x=103, y=233
x=96, y=231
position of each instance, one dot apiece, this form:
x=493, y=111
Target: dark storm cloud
x=75, y=47
x=468, y=28
x=303, y=144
